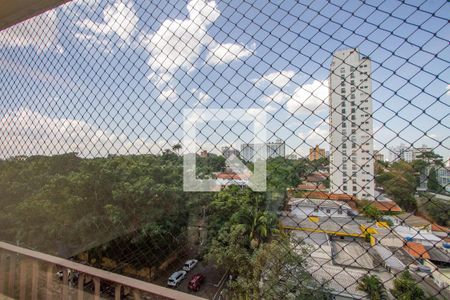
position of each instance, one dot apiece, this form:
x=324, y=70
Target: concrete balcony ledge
x=21, y=259
x=16, y=11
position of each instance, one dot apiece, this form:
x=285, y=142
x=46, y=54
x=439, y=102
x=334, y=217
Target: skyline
x=283, y=68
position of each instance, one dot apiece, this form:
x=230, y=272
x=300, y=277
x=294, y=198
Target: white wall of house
x=304, y=211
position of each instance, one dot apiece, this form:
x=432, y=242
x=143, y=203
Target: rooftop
x=413, y=220
x=439, y=228
x=416, y=250
x=312, y=187
x=318, y=203
x=438, y=254
x=386, y=206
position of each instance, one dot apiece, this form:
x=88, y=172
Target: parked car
x=196, y=282
x=176, y=278
x=190, y=264
x=72, y=276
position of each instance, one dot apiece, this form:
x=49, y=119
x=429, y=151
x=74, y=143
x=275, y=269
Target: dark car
x=196, y=282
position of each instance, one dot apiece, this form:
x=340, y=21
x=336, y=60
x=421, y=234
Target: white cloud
x=119, y=18
x=178, y=43
x=277, y=96
x=200, y=95
x=309, y=98
x=40, y=32
x=271, y=108
x=315, y=136
x=33, y=72
x=226, y=53
x=168, y=95
x=26, y=132
x=278, y=79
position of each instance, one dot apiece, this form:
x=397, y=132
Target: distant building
x=378, y=155
x=443, y=177
x=203, y=153
x=316, y=153
x=401, y=152
x=418, y=151
x=227, y=151
x=408, y=154
x=304, y=207
x=317, y=177
x=276, y=149
x=292, y=156
x=226, y=179
x=351, y=125
x=312, y=187
x=253, y=152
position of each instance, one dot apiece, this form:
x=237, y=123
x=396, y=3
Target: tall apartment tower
x=351, y=128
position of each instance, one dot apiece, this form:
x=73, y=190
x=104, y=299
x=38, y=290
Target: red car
x=196, y=282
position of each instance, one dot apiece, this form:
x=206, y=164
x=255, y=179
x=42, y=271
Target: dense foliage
x=401, y=179
x=374, y=288
x=64, y=204
x=407, y=288
x=400, y=183
x=245, y=240
x=435, y=208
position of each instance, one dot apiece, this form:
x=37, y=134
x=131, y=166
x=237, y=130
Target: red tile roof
x=416, y=250
x=231, y=176
x=316, y=177
x=330, y=196
x=312, y=187
x=386, y=206
x=348, y=199
x=439, y=228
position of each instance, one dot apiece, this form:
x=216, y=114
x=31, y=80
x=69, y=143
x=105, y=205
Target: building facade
x=316, y=153
x=408, y=154
x=378, y=155
x=228, y=151
x=253, y=152
x=351, y=130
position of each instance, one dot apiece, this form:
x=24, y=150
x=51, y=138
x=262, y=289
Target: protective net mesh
x=105, y=104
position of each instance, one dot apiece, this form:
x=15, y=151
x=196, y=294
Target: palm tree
x=176, y=148
x=259, y=225
x=373, y=287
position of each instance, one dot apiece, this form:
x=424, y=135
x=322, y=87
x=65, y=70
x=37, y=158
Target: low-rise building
x=312, y=187
x=409, y=234
x=410, y=220
x=226, y=179
x=228, y=151
x=378, y=155
x=303, y=207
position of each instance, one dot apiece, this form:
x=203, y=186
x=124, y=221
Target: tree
x=437, y=209
x=176, y=148
x=431, y=158
x=245, y=241
x=370, y=211
x=258, y=225
x=433, y=184
x=372, y=285
x=406, y=288
x=400, y=182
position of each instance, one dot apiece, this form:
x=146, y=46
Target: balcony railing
x=27, y=274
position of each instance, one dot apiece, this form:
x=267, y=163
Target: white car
x=176, y=278
x=190, y=264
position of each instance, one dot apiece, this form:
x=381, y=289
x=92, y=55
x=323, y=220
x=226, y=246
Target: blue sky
x=102, y=77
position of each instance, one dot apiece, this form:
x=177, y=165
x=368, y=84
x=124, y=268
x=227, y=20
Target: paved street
x=208, y=288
